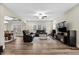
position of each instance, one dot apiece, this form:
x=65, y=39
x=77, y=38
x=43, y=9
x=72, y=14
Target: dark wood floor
x=43, y=47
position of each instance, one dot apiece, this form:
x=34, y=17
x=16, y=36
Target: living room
x=39, y=26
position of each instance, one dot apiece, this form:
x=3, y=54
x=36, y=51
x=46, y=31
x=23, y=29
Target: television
x=63, y=29
x=62, y=26
x=40, y=31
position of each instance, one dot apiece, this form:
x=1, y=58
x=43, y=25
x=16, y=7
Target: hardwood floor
x=43, y=47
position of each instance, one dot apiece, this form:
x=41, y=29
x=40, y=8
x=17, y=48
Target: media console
x=65, y=35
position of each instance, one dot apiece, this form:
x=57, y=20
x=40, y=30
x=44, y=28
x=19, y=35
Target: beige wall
x=5, y=26
x=2, y=26
x=10, y=13
x=72, y=16
x=4, y=12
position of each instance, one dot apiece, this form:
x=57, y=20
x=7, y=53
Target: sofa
x=1, y=49
x=27, y=37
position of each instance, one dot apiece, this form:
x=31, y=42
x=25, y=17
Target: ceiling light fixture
x=40, y=14
x=8, y=18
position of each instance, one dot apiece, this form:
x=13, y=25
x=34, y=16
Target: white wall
x=49, y=27
x=58, y=20
x=17, y=27
x=47, y=24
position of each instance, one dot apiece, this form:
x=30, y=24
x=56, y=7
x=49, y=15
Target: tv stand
x=65, y=35
x=68, y=38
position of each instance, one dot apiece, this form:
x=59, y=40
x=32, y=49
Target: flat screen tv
x=63, y=29
x=41, y=31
